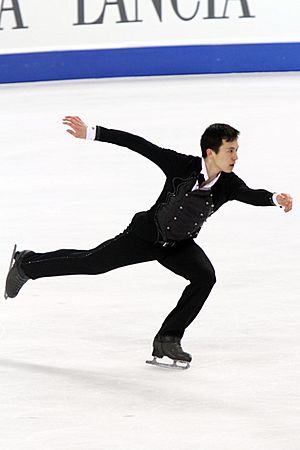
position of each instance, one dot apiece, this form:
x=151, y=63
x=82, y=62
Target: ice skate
x=170, y=347
x=16, y=278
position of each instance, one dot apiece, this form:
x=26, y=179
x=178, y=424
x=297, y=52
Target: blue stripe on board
x=149, y=61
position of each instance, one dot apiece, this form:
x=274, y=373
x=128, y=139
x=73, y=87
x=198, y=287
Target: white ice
x=73, y=349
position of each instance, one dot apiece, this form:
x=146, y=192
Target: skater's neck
x=211, y=170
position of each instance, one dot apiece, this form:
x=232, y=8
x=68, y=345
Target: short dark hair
x=213, y=137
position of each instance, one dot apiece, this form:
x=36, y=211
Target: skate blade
x=10, y=266
x=177, y=365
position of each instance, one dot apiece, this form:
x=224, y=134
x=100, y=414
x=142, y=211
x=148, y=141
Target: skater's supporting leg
x=188, y=260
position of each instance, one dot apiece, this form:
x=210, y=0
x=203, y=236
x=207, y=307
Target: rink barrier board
x=149, y=61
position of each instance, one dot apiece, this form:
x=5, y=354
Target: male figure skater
x=194, y=189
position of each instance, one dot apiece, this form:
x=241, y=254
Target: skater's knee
x=213, y=279
x=210, y=277
x=93, y=269
x=207, y=276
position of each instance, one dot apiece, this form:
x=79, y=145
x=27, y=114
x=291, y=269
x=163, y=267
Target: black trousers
x=185, y=258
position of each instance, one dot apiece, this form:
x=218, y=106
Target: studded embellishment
x=182, y=217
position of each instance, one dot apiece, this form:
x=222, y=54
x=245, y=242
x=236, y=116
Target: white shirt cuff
x=274, y=199
x=91, y=133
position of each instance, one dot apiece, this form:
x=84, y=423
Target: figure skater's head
x=219, y=145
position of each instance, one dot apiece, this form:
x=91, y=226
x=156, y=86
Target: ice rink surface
x=73, y=349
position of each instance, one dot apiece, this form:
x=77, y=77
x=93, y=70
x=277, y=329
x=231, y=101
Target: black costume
x=164, y=233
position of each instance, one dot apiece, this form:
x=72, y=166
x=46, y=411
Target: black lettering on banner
x=15, y=8
x=80, y=8
x=118, y=3
x=157, y=4
x=158, y=8
x=121, y=7
x=175, y=7
x=211, y=10
x=122, y=11
x=245, y=8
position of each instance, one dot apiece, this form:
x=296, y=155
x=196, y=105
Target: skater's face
x=225, y=159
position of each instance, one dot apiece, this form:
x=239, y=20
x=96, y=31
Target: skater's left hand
x=285, y=201
x=77, y=127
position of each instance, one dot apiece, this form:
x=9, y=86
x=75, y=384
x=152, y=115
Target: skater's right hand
x=77, y=126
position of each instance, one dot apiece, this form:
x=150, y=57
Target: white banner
x=43, y=25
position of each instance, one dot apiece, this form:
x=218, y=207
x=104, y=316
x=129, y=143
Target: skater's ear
x=210, y=152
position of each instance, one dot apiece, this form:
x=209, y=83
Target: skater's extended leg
x=123, y=250
x=188, y=260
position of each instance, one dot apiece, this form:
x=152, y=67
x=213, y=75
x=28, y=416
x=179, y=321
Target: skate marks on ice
x=176, y=365
x=10, y=266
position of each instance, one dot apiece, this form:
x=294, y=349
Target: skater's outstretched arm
x=258, y=197
x=167, y=160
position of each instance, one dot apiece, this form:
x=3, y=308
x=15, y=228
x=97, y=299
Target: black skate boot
x=16, y=277
x=170, y=346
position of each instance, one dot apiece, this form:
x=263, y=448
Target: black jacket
x=182, y=172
